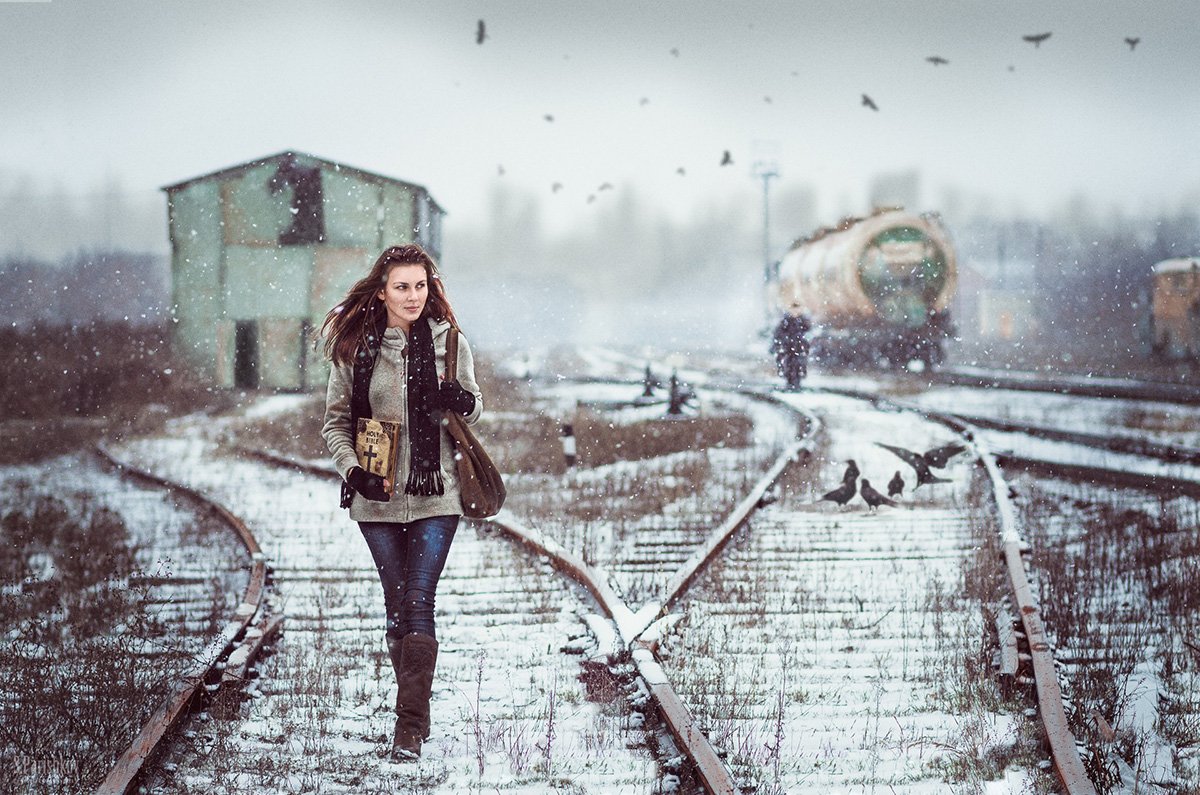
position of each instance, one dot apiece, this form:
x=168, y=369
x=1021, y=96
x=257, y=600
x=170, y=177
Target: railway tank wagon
x=877, y=288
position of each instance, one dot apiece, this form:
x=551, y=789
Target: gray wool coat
x=389, y=401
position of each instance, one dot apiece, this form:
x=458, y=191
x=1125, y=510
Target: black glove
x=367, y=484
x=452, y=397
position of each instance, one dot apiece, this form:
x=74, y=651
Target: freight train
x=877, y=289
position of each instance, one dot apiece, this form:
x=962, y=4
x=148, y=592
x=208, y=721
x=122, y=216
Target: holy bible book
x=377, y=443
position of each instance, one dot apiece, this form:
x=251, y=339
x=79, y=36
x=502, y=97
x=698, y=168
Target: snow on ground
x=862, y=687
x=509, y=713
x=1168, y=423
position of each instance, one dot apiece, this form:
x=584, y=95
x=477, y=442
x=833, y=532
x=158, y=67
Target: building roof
x=363, y=174
x=1177, y=265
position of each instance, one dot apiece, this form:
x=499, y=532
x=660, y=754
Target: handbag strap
x=451, y=354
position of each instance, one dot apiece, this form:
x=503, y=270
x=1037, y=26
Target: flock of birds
x=923, y=465
x=1036, y=39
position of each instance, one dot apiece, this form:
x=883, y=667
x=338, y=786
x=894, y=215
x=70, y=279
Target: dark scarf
x=424, y=432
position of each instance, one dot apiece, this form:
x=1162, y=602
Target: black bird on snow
x=851, y=472
x=480, y=32
x=917, y=462
x=872, y=497
x=937, y=60
x=843, y=493
x=896, y=485
x=938, y=457
x=726, y=158
x=1036, y=39
x=869, y=103
x=1132, y=42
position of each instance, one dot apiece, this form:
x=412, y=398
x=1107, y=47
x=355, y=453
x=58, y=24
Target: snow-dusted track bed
x=1116, y=571
x=826, y=651
x=510, y=714
x=124, y=640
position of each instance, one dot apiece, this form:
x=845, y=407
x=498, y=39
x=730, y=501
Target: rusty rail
x=1120, y=388
x=126, y=773
x=691, y=739
x=1063, y=750
x=1128, y=445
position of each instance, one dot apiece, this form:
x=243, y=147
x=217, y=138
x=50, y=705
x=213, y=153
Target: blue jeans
x=410, y=557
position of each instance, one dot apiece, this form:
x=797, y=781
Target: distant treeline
x=85, y=287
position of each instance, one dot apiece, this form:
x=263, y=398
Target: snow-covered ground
x=509, y=712
x=829, y=652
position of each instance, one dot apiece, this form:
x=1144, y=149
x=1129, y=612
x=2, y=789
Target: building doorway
x=245, y=354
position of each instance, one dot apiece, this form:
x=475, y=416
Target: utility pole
x=766, y=170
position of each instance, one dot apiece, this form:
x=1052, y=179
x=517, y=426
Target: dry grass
x=71, y=386
x=1116, y=573
x=79, y=684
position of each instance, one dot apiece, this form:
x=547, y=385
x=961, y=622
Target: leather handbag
x=479, y=481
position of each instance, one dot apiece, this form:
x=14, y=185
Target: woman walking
x=386, y=341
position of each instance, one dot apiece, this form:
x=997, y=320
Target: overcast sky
x=149, y=93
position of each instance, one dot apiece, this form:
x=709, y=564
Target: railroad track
x=1066, y=761
x=221, y=667
x=321, y=710
x=944, y=544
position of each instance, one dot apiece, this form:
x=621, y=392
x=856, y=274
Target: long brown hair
x=345, y=327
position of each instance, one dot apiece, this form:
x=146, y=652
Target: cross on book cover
x=377, y=443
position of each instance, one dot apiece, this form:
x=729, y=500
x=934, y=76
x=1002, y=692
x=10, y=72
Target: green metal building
x=262, y=250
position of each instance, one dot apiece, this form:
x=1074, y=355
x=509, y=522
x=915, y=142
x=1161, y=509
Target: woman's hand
x=452, y=397
x=369, y=485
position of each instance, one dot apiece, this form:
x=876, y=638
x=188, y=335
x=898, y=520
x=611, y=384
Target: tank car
x=1175, y=308
x=877, y=288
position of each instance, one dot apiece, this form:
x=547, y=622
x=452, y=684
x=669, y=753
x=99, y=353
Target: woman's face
x=404, y=294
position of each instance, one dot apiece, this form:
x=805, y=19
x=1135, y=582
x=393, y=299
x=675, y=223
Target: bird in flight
x=681, y=171
x=872, y=497
x=1036, y=39
x=549, y=117
x=644, y=101
x=480, y=32
x=917, y=462
x=869, y=103
x=937, y=60
x=675, y=51
x=726, y=159
x=604, y=186
x=940, y=456
x=1132, y=41
x=556, y=187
